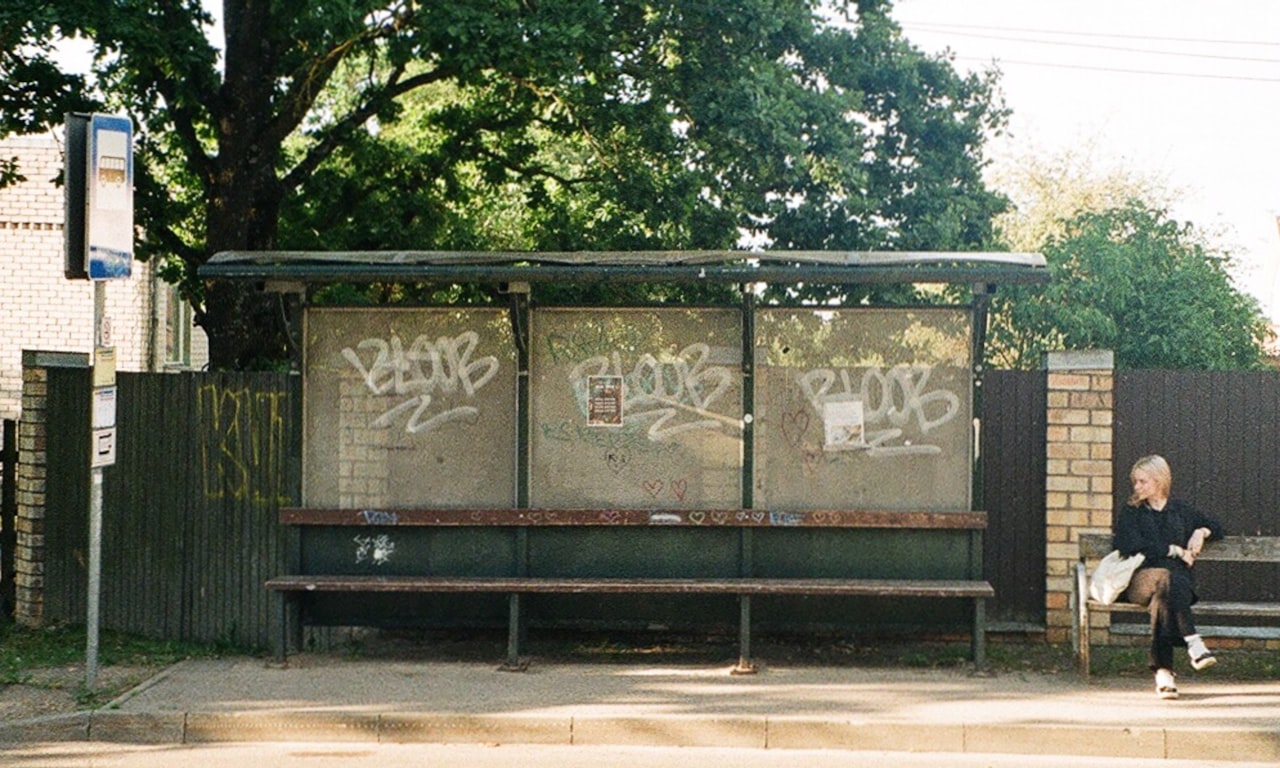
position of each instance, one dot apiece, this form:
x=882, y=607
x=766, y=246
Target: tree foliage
x=515, y=124
x=1131, y=280
x=1048, y=189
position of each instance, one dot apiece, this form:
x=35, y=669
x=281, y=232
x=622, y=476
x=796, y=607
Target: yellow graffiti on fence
x=242, y=445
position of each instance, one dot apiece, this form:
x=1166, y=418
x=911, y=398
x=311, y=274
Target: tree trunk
x=246, y=328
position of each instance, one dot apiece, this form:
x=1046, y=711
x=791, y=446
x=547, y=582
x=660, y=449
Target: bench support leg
x=512, y=663
x=281, y=633
x=979, y=637
x=745, y=665
x=1080, y=595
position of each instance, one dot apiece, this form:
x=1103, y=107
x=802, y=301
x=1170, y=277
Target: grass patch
x=1233, y=664
x=24, y=651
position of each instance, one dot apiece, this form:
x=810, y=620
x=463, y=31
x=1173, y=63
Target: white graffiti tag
x=894, y=398
x=423, y=372
x=663, y=389
x=375, y=549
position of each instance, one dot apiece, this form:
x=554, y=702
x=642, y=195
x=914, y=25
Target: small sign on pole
x=104, y=448
x=104, y=407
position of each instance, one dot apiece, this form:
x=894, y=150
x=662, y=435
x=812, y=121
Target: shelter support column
x=1078, y=471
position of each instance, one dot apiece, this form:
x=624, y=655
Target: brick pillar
x=1078, y=495
x=29, y=558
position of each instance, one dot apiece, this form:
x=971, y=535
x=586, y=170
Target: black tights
x=1168, y=593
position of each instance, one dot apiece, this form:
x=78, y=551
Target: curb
x=755, y=732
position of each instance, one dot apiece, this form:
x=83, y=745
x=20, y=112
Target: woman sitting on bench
x=1169, y=533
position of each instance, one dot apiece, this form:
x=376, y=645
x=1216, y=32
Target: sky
x=1187, y=93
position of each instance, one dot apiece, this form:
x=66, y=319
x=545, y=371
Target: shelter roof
x=720, y=266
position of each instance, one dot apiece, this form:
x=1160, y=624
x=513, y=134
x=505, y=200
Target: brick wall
x=29, y=554
x=1078, y=472
x=363, y=476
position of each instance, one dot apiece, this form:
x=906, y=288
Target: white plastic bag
x=1111, y=578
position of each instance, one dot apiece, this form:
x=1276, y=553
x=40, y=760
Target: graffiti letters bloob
x=892, y=401
x=675, y=393
x=430, y=375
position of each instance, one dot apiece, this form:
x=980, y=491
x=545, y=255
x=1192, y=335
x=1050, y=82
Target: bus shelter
x=675, y=410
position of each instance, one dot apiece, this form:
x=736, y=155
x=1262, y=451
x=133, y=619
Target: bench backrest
x=1253, y=549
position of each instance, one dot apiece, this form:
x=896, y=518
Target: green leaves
x=511, y=124
x=1131, y=280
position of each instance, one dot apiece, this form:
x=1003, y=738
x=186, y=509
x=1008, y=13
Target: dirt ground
x=61, y=690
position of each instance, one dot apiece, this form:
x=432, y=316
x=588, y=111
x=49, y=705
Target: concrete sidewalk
x=327, y=698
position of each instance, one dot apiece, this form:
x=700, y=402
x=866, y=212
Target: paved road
x=321, y=755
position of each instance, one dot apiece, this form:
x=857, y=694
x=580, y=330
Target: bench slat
x=1215, y=608
x=737, y=518
x=1206, y=630
x=1261, y=549
x=863, y=587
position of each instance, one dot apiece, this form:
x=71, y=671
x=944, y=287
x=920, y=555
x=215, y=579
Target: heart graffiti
x=794, y=425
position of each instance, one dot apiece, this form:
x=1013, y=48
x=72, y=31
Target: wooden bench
x=1236, y=549
x=970, y=587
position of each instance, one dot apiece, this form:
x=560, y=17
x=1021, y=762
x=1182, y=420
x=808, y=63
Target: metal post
x=95, y=524
x=513, y=634
x=95, y=580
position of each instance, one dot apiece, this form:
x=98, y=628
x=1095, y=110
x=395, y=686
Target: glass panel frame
x=409, y=407
x=636, y=408
x=863, y=408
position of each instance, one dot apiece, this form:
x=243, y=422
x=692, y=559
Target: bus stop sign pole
x=99, y=214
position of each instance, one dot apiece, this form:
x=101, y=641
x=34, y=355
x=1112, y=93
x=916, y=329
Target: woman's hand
x=1183, y=554
x=1196, y=542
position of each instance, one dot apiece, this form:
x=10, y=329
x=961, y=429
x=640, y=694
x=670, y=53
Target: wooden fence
x=1220, y=432
x=204, y=461
x=189, y=525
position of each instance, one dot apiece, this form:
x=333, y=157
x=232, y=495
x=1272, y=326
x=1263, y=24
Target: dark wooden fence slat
x=8, y=516
x=1013, y=447
x=1217, y=429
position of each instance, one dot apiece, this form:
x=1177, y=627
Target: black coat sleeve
x=1197, y=519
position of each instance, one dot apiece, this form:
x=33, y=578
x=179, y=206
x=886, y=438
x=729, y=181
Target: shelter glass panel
x=636, y=408
x=409, y=408
x=863, y=409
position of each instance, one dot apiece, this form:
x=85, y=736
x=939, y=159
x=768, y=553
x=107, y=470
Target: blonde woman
x=1169, y=533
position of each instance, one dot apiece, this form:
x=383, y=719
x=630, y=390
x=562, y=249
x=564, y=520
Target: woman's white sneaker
x=1201, y=657
x=1203, y=661
x=1166, y=684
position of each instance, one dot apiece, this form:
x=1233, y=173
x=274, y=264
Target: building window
x=177, y=330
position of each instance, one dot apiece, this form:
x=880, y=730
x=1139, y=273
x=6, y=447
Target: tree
x=569, y=124
x=1048, y=189
x=1132, y=280
x=34, y=91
